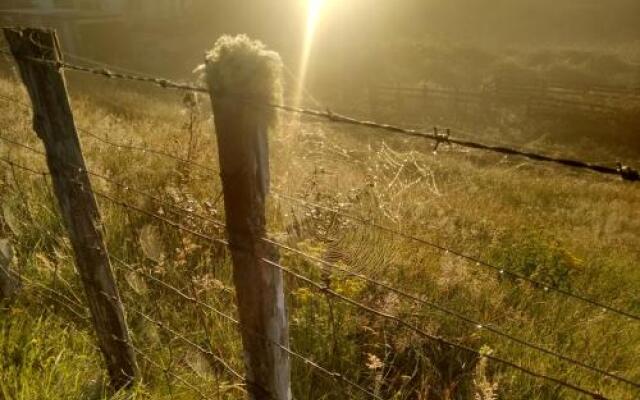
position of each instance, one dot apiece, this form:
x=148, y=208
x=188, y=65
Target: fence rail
x=589, y=100
x=265, y=334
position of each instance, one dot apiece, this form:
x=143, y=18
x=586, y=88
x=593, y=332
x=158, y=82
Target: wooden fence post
x=37, y=53
x=240, y=94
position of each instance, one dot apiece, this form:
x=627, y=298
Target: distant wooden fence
x=601, y=100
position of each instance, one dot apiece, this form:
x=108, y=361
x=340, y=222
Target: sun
x=314, y=12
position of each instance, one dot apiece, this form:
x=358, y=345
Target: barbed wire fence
x=347, y=384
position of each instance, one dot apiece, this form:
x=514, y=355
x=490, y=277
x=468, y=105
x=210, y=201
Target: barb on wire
x=426, y=335
x=474, y=260
x=101, y=64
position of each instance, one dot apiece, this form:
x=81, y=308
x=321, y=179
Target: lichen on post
x=244, y=78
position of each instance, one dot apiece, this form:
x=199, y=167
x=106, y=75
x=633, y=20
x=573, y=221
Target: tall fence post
x=243, y=78
x=37, y=54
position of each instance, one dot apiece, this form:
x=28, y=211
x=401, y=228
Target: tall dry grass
x=572, y=229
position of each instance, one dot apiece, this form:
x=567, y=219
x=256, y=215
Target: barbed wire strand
x=187, y=341
x=400, y=292
x=317, y=103
x=106, y=73
x=124, y=186
x=211, y=171
x=50, y=293
x=182, y=380
x=102, y=64
x=131, y=74
x=411, y=297
x=474, y=260
x=625, y=172
x=503, y=271
x=146, y=149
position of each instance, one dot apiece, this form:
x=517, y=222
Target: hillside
x=570, y=230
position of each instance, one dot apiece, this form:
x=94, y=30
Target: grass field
x=573, y=230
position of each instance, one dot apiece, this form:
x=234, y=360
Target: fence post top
x=244, y=68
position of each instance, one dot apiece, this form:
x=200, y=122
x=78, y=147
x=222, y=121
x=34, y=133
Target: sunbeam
x=314, y=13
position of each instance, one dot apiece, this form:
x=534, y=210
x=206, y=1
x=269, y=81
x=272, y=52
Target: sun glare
x=314, y=11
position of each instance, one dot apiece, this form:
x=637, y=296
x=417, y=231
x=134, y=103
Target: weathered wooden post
x=243, y=79
x=38, y=55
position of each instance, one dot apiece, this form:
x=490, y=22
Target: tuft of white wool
x=240, y=66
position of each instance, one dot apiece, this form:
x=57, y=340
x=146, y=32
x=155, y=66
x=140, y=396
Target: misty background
x=386, y=38
x=358, y=44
